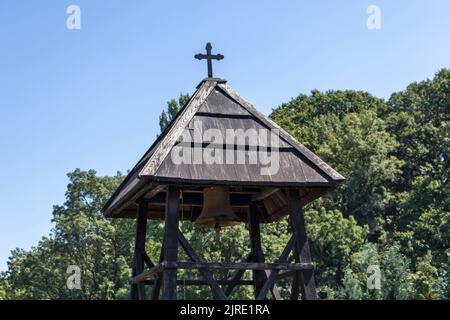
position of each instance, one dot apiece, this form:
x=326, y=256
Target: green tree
x=392, y=211
x=83, y=237
x=419, y=119
x=344, y=129
x=173, y=106
x=334, y=239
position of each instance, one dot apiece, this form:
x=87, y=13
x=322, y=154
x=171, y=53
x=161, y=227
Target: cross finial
x=209, y=57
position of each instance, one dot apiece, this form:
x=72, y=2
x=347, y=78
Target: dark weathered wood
x=220, y=107
x=134, y=192
x=153, y=272
x=219, y=103
x=259, y=276
x=196, y=199
x=147, y=261
x=195, y=282
x=137, y=289
x=266, y=192
x=169, y=281
x=163, y=148
x=308, y=287
x=216, y=289
x=274, y=274
x=319, y=163
x=237, y=278
x=242, y=266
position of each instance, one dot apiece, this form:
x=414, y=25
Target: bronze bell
x=217, y=211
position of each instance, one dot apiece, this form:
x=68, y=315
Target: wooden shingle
x=215, y=105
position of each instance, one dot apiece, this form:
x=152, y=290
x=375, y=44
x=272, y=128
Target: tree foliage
x=392, y=211
x=173, y=106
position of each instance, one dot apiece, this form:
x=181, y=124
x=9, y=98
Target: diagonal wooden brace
x=217, y=290
x=274, y=274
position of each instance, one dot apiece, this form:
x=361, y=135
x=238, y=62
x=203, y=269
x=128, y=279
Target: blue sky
x=91, y=98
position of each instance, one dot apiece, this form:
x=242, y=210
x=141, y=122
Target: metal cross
x=209, y=57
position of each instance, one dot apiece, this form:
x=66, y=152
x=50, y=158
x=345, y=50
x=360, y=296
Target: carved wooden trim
x=175, y=131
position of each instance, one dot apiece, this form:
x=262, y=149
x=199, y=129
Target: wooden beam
x=174, y=131
x=274, y=274
x=169, y=281
x=195, y=282
x=153, y=272
x=196, y=199
x=143, y=187
x=137, y=289
x=216, y=289
x=264, y=194
x=259, y=276
x=307, y=285
x=237, y=278
x=147, y=261
x=240, y=266
x=313, y=159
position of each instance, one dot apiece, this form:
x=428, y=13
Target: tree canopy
x=391, y=212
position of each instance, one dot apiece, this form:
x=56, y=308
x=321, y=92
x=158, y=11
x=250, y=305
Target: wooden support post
x=257, y=255
x=259, y=276
x=169, y=281
x=307, y=285
x=138, y=290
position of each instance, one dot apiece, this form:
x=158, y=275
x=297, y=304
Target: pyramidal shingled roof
x=215, y=105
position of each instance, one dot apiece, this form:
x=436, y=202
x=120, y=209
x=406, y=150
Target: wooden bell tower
x=152, y=191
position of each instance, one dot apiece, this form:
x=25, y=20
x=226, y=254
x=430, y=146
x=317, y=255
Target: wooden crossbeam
x=240, y=266
x=197, y=282
x=263, y=194
x=302, y=251
x=216, y=289
x=206, y=266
